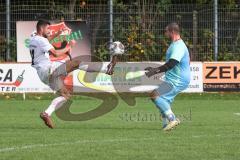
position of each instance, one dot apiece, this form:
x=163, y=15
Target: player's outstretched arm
x=164, y=68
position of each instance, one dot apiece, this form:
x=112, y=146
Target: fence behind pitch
x=139, y=26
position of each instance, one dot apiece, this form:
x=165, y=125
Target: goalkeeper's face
x=168, y=34
x=46, y=31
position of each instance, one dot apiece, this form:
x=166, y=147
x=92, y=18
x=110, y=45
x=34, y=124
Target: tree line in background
x=144, y=34
x=140, y=24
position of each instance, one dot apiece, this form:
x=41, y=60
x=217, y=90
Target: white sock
x=170, y=115
x=56, y=104
x=92, y=67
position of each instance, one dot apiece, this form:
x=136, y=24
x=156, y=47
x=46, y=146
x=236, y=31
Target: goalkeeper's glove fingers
x=151, y=71
x=148, y=68
x=150, y=74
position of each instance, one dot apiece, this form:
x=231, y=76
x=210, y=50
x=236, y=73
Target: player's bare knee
x=66, y=96
x=63, y=92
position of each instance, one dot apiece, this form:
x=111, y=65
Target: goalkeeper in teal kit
x=177, y=76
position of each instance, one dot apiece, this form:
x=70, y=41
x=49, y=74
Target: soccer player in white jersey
x=50, y=73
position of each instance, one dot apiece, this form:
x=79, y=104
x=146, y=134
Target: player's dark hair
x=42, y=23
x=173, y=27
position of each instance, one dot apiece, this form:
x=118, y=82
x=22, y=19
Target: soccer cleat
x=172, y=124
x=164, y=126
x=47, y=119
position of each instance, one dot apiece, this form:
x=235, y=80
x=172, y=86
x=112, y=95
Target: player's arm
x=175, y=57
x=47, y=47
x=164, y=68
x=56, y=34
x=60, y=52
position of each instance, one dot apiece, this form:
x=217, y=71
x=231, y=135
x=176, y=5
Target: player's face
x=168, y=34
x=46, y=31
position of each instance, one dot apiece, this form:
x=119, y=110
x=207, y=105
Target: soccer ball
x=116, y=48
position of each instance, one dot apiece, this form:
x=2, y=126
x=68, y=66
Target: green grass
x=209, y=130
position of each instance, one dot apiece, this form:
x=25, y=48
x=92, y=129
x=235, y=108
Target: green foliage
x=228, y=3
x=139, y=35
x=205, y=44
x=137, y=24
x=163, y=5
x=138, y=31
x=102, y=52
x=136, y=49
x=237, y=42
x=12, y=47
x=2, y=47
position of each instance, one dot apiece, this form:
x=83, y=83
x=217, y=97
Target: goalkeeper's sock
x=164, y=120
x=164, y=108
x=170, y=115
x=92, y=67
x=56, y=104
x=162, y=104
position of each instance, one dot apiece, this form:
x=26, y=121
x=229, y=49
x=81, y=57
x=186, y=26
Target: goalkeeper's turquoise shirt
x=179, y=75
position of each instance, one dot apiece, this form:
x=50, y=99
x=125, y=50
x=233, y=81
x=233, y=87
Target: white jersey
x=39, y=47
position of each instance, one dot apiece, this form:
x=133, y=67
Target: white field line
x=69, y=143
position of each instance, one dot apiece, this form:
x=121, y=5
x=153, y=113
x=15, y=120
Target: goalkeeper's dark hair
x=173, y=27
x=42, y=23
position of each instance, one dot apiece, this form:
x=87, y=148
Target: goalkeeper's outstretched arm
x=164, y=68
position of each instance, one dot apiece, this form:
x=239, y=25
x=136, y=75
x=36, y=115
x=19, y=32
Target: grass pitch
x=210, y=129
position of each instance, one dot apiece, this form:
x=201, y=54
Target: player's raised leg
x=56, y=83
x=77, y=63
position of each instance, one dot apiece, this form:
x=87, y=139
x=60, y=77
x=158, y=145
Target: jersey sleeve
x=177, y=53
x=45, y=45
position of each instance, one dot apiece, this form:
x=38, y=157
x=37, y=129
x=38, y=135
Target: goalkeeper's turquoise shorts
x=168, y=91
